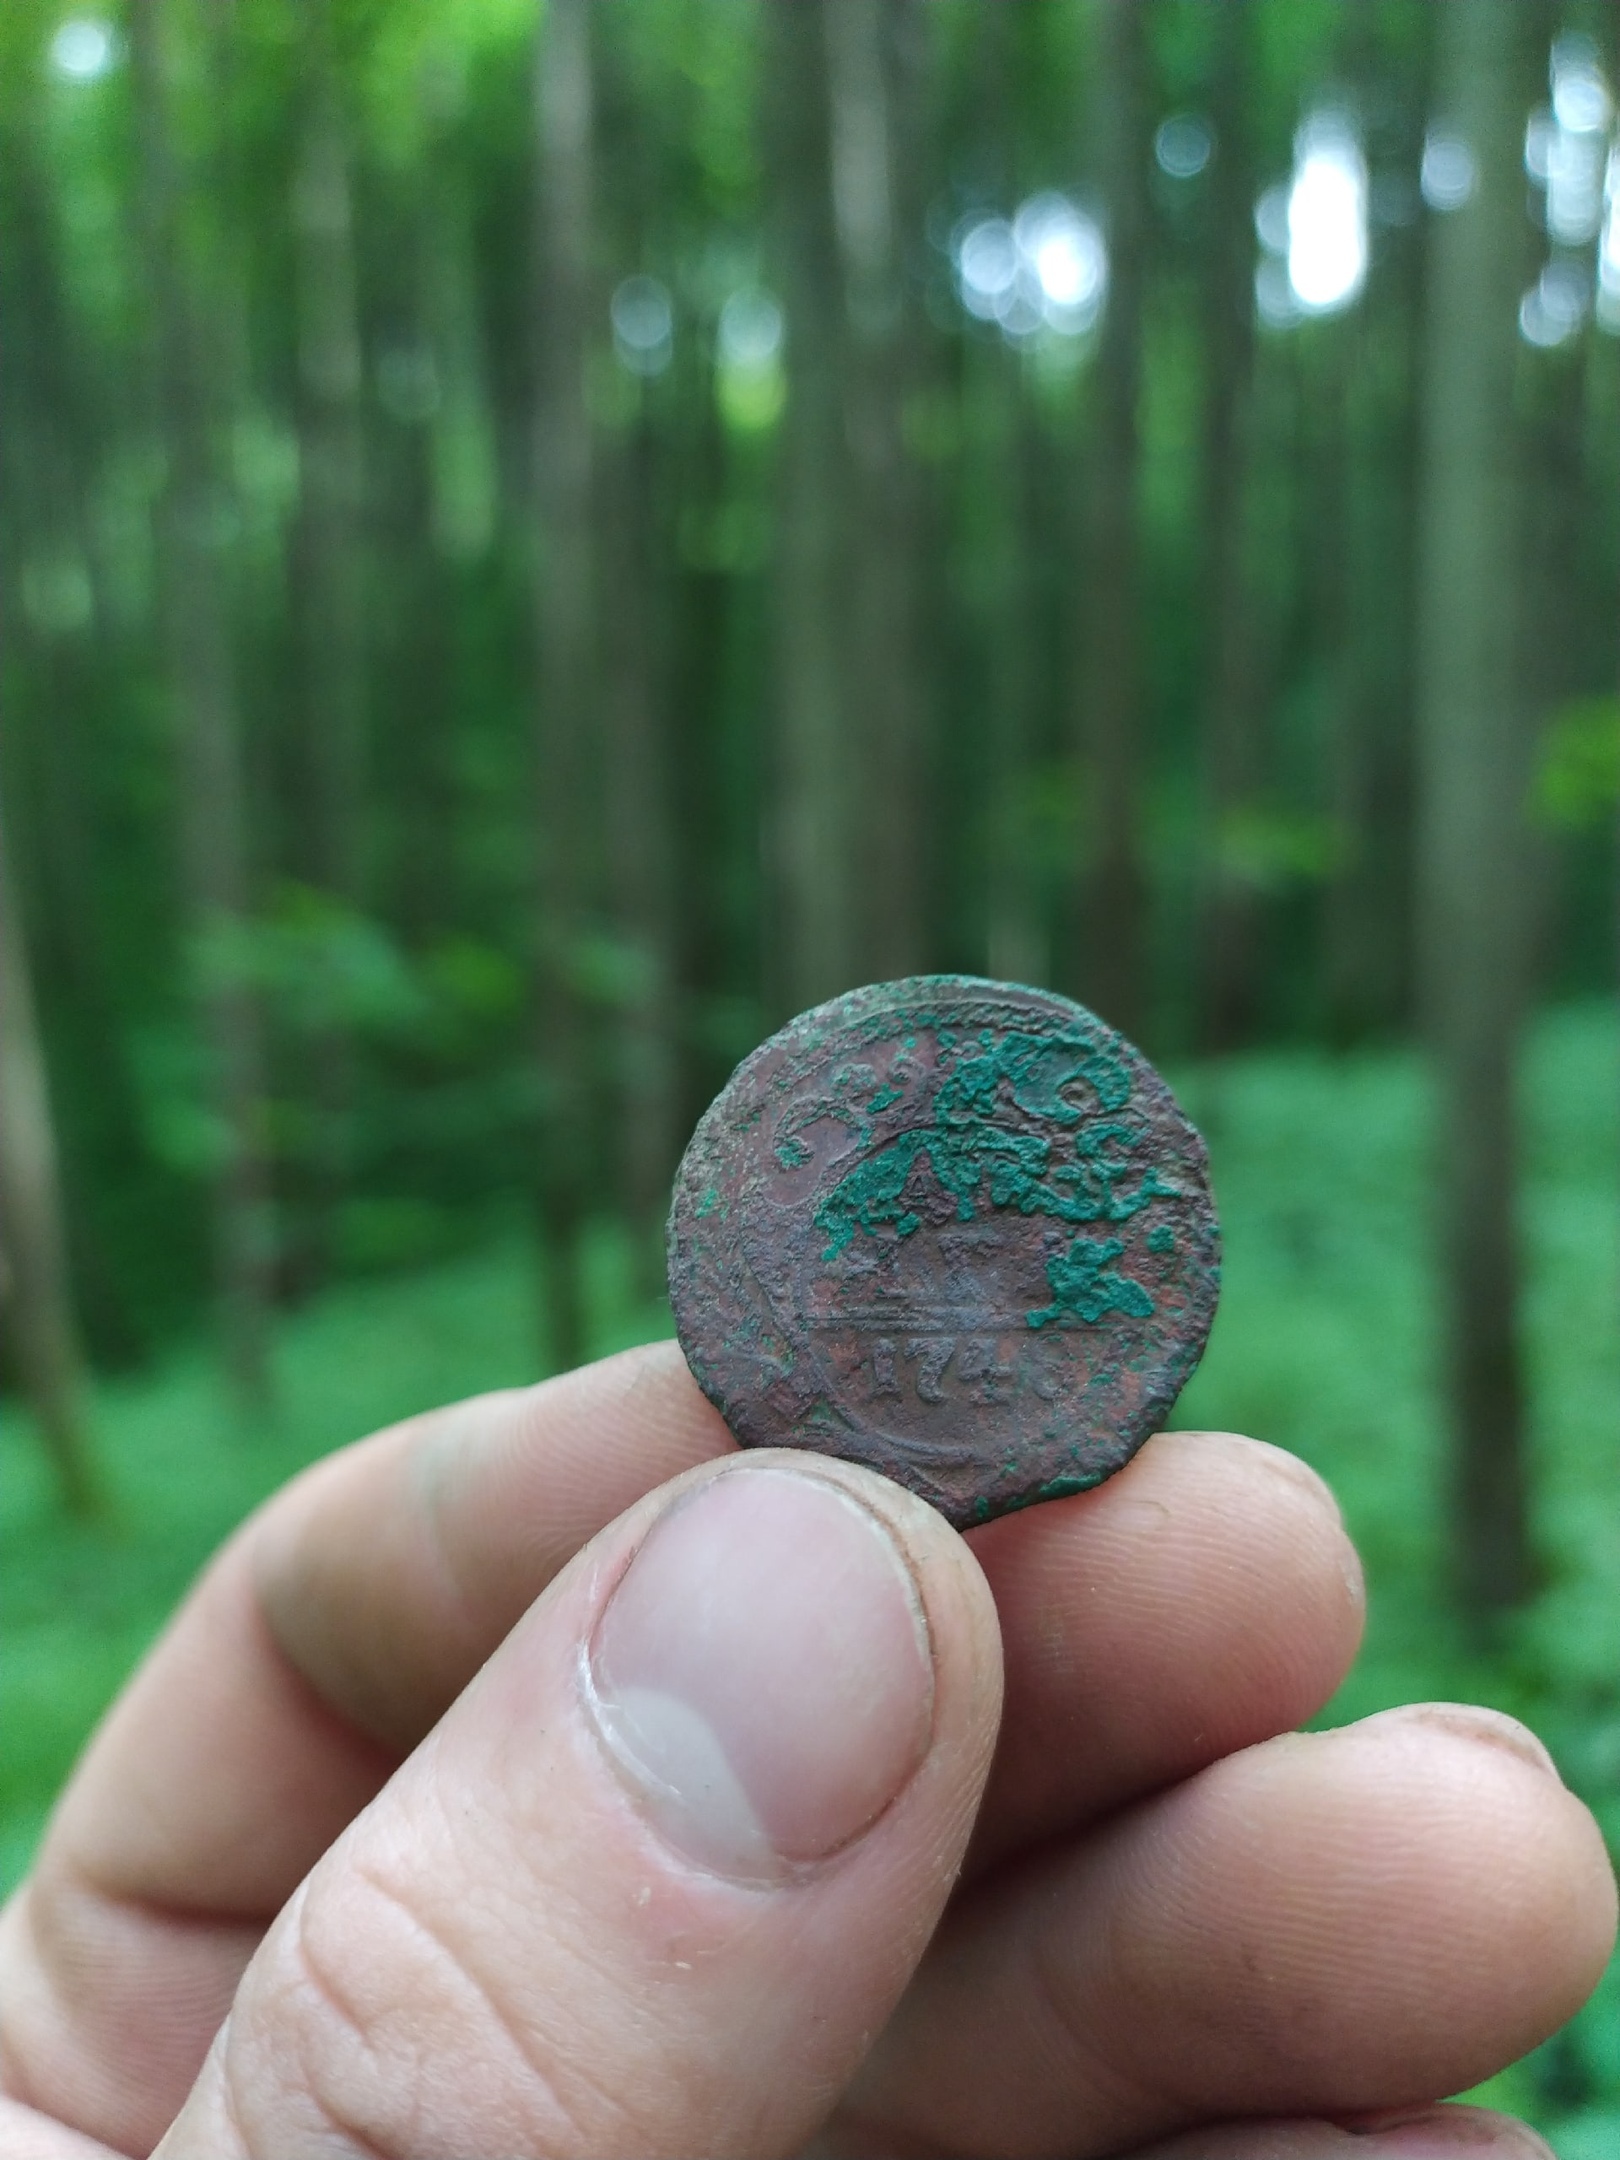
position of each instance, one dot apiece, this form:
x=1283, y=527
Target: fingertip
x=1546, y=1861
x=1205, y=1598
x=1447, y=2132
x=1472, y=1722
x=1321, y=1923
x=1461, y=1896
x=1263, y=1484
x=1433, y=2133
x=1249, y=1455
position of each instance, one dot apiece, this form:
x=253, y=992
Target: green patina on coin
x=957, y=1230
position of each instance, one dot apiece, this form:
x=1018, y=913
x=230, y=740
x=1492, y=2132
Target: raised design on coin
x=957, y=1230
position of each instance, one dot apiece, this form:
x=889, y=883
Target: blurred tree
x=463, y=452
x=634, y=664
x=65, y=425
x=1330, y=413
x=815, y=837
x=999, y=455
x=998, y=402
x=330, y=561
x=834, y=648
x=1230, y=731
x=641, y=852
x=194, y=520
x=875, y=81
x=1473, y=770
x=431, y=499
x=564, y=462
x=1113, y=715
x=702, y=641
x=34, y=1285
x=1367, y=930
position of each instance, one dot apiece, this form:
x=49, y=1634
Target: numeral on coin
x=933, y=1354
x=884, y=1381
x=977, y=1364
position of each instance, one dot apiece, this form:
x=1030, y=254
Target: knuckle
x=377, y=2030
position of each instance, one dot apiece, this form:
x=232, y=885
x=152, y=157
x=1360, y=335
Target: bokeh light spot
x=987, y=266
x=1184, y=145
x=1608, y=268
x=1271, y=220
x=1275, y=301
x=1580, y=96
x=1327, y=215
x=1555, y=307
x=1450, y=171
x=1045, y=270
x=82, y=49
x=643, y=325
x=750, y=329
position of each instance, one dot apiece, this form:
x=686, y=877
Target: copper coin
x=956, y=1230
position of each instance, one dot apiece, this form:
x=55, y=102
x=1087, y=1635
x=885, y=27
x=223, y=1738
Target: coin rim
x=886, y=1001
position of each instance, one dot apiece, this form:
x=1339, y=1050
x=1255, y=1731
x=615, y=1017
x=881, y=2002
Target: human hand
x=543, y=1777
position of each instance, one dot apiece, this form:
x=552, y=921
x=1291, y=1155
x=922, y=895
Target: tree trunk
x=709, y=833
x=1367, y=960
x=566, y=681
x=1472, y=772
x=997, y=567
x=1368, y=911
x=815, y=840
x=34, y=1286
x=1227, y=938
x=1015, y=940
x=641, y=846
x=191, y=522
x=62, y=426
x=331, y=598
x=873, y=64
x=1346, y=920
x=1113, y=719
x=464, y=461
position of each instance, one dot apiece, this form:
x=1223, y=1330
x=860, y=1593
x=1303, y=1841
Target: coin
x=956, y=1230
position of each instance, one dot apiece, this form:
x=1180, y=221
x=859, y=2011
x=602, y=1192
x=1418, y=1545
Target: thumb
x=659, y=1876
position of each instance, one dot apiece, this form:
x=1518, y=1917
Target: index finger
x=318, y=1646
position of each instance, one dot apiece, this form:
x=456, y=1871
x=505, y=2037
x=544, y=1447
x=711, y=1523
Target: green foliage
x=1267, y=849
x=391, y=937
x=423, y=963
x=1578, y=785
x=80, y=1603
x=317, y=965
x=1323, y=1344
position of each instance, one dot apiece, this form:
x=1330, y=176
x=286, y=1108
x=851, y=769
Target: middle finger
x=1326, y=1923
x=1205, y=1598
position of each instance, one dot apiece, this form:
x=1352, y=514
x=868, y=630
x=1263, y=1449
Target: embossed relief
x=975, y=1222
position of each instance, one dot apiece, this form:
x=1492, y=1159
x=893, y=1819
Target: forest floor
x=1323, y=1344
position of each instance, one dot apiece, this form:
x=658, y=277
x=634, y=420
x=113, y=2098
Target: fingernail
x=1287, y=1467
x=1492, y=1728
x=762, y=1674
x=1449, y=2133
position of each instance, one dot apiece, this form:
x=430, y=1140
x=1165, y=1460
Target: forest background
x=535, y=545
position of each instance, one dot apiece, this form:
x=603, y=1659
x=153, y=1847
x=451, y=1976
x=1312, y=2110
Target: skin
x=358, y=1801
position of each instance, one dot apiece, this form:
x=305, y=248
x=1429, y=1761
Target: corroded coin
x=956, y=1230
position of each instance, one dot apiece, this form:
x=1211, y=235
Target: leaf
x=1578, y=783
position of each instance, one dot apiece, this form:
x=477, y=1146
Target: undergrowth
x=1325, y=1344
